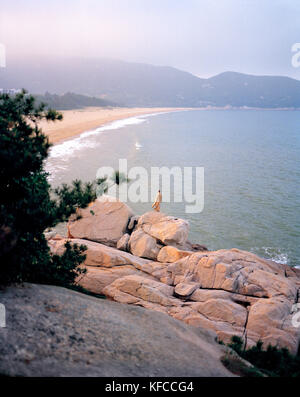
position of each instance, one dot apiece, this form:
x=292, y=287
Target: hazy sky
x=204, y=37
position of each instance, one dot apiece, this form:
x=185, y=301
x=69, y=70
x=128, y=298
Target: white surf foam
x=67, y=148
x=276, y=255
x=113, y=126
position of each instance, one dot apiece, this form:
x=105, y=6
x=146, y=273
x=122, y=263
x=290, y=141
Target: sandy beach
x=77, y=121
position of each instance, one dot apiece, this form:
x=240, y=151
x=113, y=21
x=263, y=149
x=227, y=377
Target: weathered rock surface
x=99, y=254
x=103, y=221
x=232, y=292
x=184, y=290
x=169, y=254
x=52, y=331
x=103, y=264
x=123, y=243
x=143, y=245
x=167, y=229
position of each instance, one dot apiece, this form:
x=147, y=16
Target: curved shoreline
x=75, y=122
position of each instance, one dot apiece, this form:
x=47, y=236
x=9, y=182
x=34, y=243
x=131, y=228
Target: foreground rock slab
x=52, y=331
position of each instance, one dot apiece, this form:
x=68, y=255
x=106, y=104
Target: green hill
x=72, y=101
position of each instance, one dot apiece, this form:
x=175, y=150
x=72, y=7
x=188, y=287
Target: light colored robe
x=157, y=201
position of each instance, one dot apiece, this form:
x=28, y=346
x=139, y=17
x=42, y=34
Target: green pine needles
x=28, y=205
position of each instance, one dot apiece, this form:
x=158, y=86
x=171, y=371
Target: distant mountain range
x=135, y=84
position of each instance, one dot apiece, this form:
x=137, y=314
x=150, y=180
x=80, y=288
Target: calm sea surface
x=251, y=162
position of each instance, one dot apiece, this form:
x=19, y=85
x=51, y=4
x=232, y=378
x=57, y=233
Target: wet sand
x=77, y=121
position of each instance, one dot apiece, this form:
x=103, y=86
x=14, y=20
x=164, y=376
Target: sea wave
x=53, y=170
x=115, y=125
x=67, y=148
x=272, y=253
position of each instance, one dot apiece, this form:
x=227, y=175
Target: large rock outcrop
x=230, y=292
x=112, y=223
x=52, y=331
x=154, y=231
x=104, y=221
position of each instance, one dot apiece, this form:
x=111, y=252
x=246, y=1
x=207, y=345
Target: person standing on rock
x=157, y=201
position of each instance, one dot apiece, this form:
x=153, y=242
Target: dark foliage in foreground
x=28, y=206
x=273, y=361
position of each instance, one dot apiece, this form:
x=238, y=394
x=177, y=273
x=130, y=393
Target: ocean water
x=251, y=163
